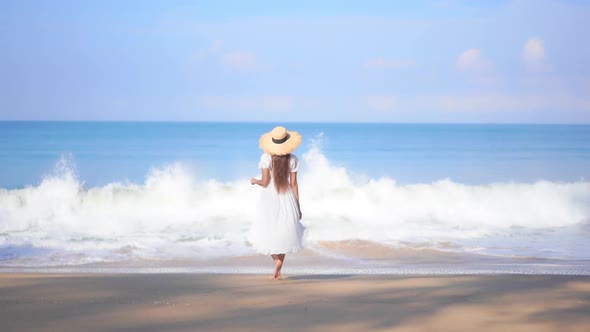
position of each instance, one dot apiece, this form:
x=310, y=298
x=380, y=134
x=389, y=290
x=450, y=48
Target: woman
x=278, y=229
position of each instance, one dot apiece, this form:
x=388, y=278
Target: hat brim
x=290, y=145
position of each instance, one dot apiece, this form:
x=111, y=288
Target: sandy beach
x=208, y=302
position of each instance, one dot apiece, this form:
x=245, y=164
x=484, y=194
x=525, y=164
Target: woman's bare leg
x=278, y=265
x=282, y=260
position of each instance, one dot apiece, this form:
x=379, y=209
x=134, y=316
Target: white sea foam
x=173, y=215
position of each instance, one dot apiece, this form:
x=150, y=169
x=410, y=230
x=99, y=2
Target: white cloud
x=271, y=103
x=381, y=63
x=471, y=60
x=534, y=54
x=382, y=103
x=475, y=67
x=216, y=45
x=501, y=102
x=243, y=61
x=213, y=50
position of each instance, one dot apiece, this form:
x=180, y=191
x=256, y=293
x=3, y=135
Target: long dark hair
x=280, y=172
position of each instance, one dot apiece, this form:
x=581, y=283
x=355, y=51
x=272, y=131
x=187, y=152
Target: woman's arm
x=295, y=188
x=265, y=178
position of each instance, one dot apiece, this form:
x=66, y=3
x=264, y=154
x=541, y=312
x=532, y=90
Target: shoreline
x=258, y=270
x=344, y=257
x=315, y=302
x=357, y=260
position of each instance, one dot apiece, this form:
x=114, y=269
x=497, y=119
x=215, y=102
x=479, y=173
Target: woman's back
x=280, y=168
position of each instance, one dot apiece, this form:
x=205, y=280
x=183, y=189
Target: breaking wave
x=172, y=215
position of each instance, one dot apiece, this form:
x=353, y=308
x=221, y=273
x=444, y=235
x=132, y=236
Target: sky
x=305, y=61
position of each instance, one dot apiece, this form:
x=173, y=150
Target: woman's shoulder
x=294, y=163
x=265, y=160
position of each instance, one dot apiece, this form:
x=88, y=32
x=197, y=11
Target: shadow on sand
x=319, y=277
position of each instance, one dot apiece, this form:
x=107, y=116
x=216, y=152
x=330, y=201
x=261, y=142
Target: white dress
x=277, y=229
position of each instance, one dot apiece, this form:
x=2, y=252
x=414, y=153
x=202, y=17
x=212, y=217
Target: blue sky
x=367, y=61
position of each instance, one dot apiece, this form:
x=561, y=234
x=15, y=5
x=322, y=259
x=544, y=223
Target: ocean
x=155, y=196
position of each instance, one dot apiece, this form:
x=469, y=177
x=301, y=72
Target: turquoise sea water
x=104, y=152
x=91, y=192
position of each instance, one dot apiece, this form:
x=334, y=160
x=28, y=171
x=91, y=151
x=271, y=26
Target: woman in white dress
x=277, y=229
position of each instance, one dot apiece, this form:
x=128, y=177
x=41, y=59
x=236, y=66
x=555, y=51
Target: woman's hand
x=253, y=181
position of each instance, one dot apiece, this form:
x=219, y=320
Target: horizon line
x=301, y=122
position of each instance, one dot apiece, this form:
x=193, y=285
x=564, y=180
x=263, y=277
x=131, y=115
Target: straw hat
x=280, y=141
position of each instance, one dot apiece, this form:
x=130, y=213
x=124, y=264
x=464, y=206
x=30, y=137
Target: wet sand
x=207, y=302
